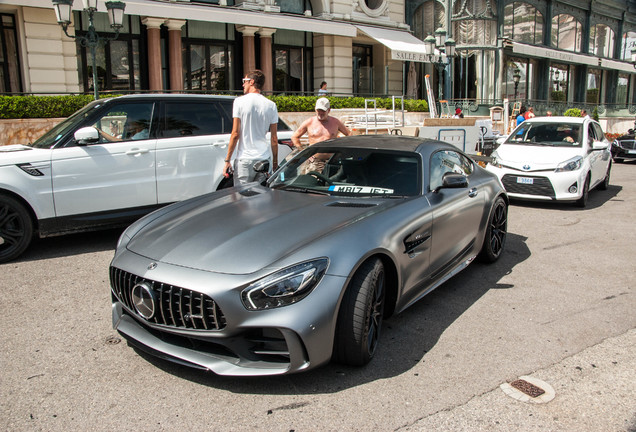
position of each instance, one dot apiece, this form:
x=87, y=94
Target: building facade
x=564, y=52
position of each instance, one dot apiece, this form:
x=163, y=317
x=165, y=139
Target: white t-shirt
x=256, y=113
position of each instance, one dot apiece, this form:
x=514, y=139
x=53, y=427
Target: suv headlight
x=570, y=165
x=284, y=287
x=617, y=143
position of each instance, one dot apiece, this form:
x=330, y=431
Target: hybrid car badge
x=144, y=300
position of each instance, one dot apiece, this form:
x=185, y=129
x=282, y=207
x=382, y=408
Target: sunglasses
x=246, y=80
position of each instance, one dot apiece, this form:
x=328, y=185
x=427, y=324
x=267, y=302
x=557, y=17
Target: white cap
x=323, y=104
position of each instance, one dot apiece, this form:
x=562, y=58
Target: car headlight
x=617, y=143
x=286, y=286
x=570, y=164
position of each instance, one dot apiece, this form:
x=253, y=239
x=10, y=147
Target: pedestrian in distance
x=253, y=116
x=522, y=115
x=323, y=89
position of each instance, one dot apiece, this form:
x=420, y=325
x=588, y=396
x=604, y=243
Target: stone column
x=266, y=58
x=155, y=83
x=176, y=57
x=249, y=50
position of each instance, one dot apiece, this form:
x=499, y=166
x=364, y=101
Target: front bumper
x=244, y=343
x=541, y=185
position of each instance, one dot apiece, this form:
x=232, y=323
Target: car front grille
x=540, y=186
x=174, y=306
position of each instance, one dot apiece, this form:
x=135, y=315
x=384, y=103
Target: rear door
x=193, y=141
x=598, y=165
x=118, y=172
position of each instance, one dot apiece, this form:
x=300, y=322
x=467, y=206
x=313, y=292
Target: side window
x=446, y=161
x=123, y=122
x=193, y=119
x=591, y=134
x=226, y=111
x=599, y=131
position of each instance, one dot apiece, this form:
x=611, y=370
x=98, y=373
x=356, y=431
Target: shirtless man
x=319, y=128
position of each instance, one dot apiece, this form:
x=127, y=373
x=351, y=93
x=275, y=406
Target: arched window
x=628, y=42
x=566, y=33
x=475, y=23
x=523, y=23
x=428, y=17
x=602, y=41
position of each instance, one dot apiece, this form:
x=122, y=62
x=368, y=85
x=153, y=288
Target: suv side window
x=599, y=131
x=194, y=119
x=123, y=122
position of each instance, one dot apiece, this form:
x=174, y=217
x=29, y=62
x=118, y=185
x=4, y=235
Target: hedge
x=18, y=107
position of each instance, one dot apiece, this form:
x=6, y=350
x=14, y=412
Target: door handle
x=221, y=144
x=472, y=193
x=135, y=151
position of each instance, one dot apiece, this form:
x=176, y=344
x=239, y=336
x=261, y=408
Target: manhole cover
x=529, y=389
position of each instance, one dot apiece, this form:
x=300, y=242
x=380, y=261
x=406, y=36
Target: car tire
x=360, y=315
x=582, y=202
x=16, y=228
x=496, y=232
x=604, y=185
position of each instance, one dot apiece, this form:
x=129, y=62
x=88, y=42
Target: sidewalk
x=595, y=391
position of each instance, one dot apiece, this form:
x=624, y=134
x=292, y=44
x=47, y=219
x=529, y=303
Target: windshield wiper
x=303, y=190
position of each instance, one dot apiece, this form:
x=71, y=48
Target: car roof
x=167, y=96
x=557, y=119
x=386, y=142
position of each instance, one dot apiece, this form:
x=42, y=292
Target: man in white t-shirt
x=253, y=116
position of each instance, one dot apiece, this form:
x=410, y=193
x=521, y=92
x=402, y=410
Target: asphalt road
x=559, y=307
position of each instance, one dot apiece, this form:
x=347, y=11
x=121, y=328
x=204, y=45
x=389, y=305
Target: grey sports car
x=277, y=278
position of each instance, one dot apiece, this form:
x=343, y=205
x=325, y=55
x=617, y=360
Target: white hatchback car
x=114, y=161
x=554, y=158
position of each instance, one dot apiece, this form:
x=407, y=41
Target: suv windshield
x=50, y=138
x=547, y=134
x=351, y=172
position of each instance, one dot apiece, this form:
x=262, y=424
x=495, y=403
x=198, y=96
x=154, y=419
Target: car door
x=193, y=141
x=117, y=172
x=599, y=159
x=457, y=212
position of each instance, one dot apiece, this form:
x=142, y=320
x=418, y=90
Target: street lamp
x=91, y=39
x=516, y=77
x=446, y=51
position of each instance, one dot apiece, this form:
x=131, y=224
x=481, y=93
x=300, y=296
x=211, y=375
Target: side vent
x=249, y=192
x=351, y=205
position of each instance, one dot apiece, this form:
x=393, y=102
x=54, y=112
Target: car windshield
x=50, y=138
x=547, y=134
x=351, y=172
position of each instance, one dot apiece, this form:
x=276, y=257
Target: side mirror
x=599, y=145
x=86, y=135
x=261, y=166
x=453, y=181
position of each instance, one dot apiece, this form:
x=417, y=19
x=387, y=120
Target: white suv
x=112, y=162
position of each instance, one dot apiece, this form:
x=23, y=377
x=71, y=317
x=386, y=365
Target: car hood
x=17, y=153
x=538, y=157
x=246, y=230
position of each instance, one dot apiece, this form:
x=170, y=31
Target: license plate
x=525, y=180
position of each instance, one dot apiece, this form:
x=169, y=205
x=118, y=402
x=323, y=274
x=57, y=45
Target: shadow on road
x=405, y=340
x=596, y=199
x=72, y=244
